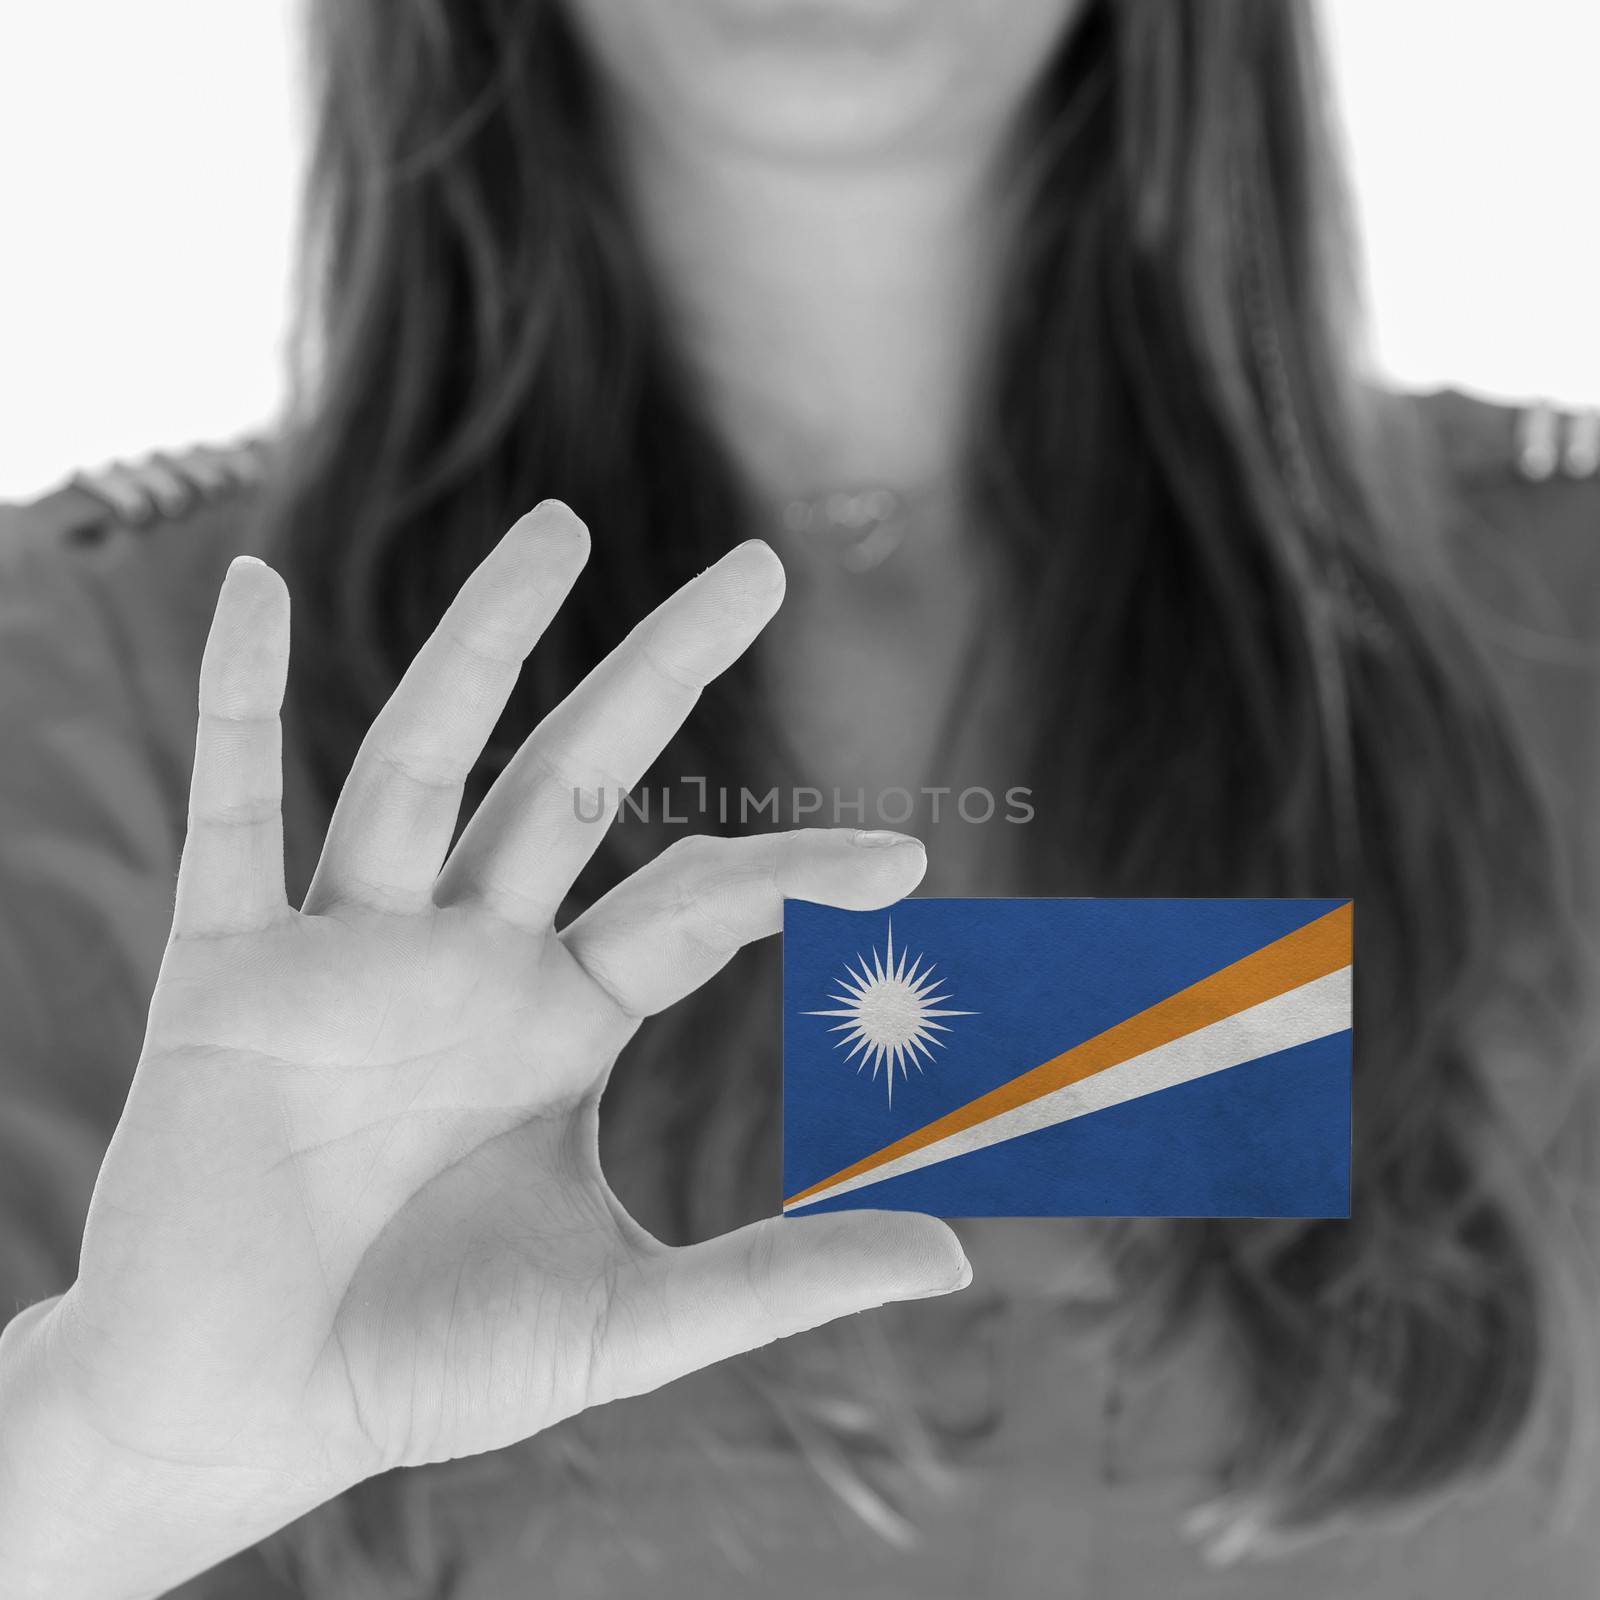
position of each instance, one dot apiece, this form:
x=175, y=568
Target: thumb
x=687, y=1308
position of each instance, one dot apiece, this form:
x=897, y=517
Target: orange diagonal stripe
x=1320, y=947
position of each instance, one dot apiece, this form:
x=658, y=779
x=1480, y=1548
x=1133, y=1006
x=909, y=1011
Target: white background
x=148, y=168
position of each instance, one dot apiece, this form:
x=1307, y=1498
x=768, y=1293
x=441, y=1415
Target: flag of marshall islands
x=975, y=1058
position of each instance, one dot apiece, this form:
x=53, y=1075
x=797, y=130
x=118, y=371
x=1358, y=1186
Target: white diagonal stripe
x=1313, y=1011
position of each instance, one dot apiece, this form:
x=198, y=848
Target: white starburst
x=891, y=1016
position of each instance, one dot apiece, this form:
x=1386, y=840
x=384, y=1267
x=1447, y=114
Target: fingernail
x=881, y=839
x=555, y=517
x=746, y=549
x=742, y=560
x=963, y=1278
x=238, y=567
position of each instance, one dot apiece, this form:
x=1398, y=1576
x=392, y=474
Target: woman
x=1059, y=306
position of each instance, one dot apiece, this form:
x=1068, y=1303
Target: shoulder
x=1521, y=482
x=1496, y=444
x=163, y=491
x=118, y=568
x=1521, y=487
x=107, y=586
x=107, y=590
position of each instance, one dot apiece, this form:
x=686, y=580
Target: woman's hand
x=353, y=1216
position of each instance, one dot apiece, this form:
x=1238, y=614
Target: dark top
x=106, y=592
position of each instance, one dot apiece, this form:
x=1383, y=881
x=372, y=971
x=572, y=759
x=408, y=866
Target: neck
x=831, y=311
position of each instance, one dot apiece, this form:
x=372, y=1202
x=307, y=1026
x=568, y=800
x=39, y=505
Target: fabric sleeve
x=90, y=832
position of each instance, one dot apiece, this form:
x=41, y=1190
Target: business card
x=985, y=1058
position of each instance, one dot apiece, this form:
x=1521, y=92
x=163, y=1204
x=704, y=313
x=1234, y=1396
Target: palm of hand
x=408, y=1106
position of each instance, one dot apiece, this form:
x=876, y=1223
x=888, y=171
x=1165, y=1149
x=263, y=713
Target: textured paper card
x=996, y=1058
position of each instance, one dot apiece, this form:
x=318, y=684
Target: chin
x=821, y=76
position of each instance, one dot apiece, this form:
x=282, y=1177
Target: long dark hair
x=1252, y=671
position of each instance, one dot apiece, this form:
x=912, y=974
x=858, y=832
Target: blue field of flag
x=977, y=1058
